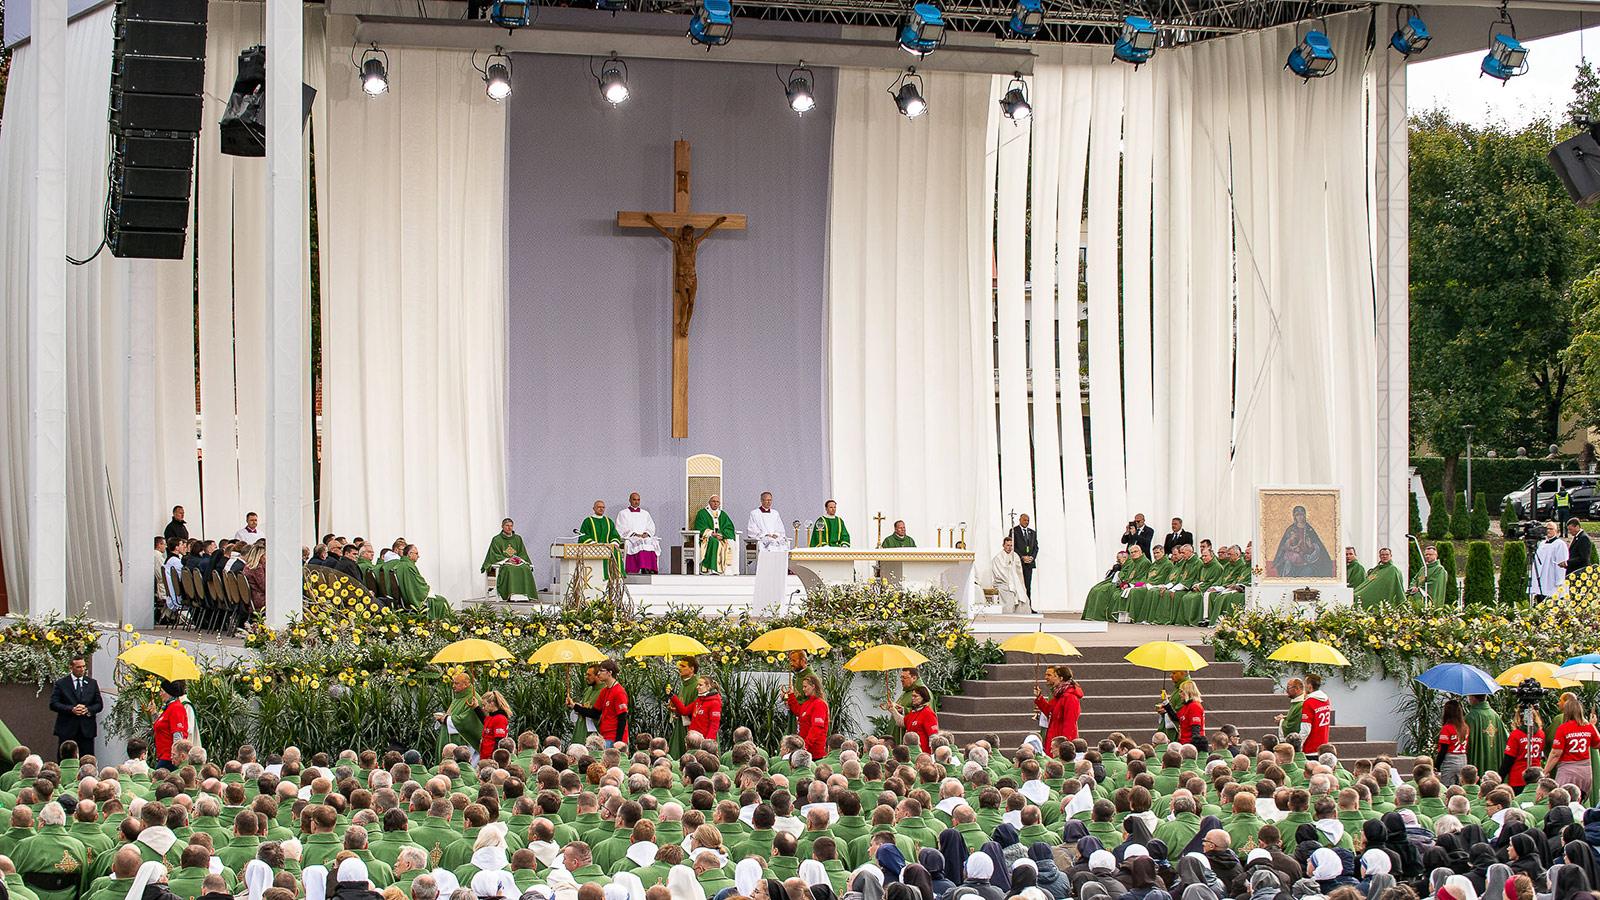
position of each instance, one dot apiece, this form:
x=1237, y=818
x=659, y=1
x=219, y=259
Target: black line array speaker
x=1577, y=163
x=158, y=72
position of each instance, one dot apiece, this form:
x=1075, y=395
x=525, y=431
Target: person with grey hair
x=44, y=854
x=424, y=888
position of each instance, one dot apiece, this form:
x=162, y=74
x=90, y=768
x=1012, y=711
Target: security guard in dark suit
x=1025, y=543
x=76, y=702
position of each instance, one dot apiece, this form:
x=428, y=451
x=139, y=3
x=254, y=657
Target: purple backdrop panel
x=589, y=314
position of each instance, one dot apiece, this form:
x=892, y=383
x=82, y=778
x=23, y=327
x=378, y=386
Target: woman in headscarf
x=1591, y=829
x=866, y=885
x=1134, y=831
x=1005, y=834
x=1374, y=862
x=1101, y=870
x=1265, y=885
x=1194, y=870
x=1578, y=854
x=933, y=861
x=353, y=882
x=1197, y=844
x=980, y=874
x=1460, y=883
x=1306, y=842
x=1556, y=822
x=499, y=885
x=898, y=891
x=150, y=883
x=1073, y=831
x=1050, y=878
x=891, y=861
x=1024, y=875
x=1523, y=855
x=257, y=878
x=818, y=882
x=1327, y=870
x=1000, y=874
x=1143, y=883
x=1481, y=858
x=1495, y=882
x=1395, y=840
x=315, y=881
x=684, y=886
x=953, y=847
x=746, y=876
x=915, y=875
x=1566, y=882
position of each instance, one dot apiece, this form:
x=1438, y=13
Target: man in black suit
x=76, y=702
x=1580, y=550
x=1025, y=543
x=177, y=529
x=1139, y=533
x=1177, y=537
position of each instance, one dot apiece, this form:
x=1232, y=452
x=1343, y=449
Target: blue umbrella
x=1585, y=658
x=1458, y=678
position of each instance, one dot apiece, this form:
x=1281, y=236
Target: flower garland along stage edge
x=38, y=651
x=349, y=673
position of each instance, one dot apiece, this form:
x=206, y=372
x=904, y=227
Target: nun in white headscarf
x=315, y=880
x=151, y=873
x=257, y=878
x=683, y=885
x=746, y=875
x=353, y=883
x=496, y=885
x=630, y=882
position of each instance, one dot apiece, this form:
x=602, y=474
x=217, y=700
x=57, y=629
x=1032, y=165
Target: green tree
x=1460, y=519
x=1507, y=514
x=1495, y=245
x=1480, y=515
x=1479, y=588
x=1585, y=103
x=1514, y=573
x=1438, y=517
x=1583, y=354
x=1447, y=559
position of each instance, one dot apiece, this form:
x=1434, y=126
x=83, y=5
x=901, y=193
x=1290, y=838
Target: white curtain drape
x=913, y=427
x=414, y=300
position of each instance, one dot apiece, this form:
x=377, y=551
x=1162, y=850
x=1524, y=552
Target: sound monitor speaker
x=156, y=111
x=1577, y=163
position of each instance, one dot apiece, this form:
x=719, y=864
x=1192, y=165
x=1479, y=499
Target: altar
x=585, y=563
x=950, y=568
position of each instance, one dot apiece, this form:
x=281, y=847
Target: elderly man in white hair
x=50, y=853
x=952, y=794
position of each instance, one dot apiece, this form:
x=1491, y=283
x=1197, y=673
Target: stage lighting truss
x=612, y=77
x=800, y=88
x=1014, y=104
x=907, y=93
x=1507, y=58
x=512, y=14
x=1313, y=56
x=923, y=30
x=712, y=23
x=373, y=70
x=1028, y=19
x=1410, y=33
x=496, y=72
x=1138, y=41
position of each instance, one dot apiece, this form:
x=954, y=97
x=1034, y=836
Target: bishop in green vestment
x=463, y=722
x=1427, y=585
x=1354, y=571
x=829, y=530
x=598, y=529
x=899, y=538
x=1138, y=602
x=1382, y=584
x=1486, y=739
x=1188, y=606
x=505, y=546
x=1098, y=600
x=716, y=536
x=414, y=590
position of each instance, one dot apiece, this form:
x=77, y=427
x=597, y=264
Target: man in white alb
x=1008, y=581
x=251, y=532
x=765, y=527
x=1547, y=570
x=640, y=544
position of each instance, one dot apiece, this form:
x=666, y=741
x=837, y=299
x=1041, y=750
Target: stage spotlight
x=907, y=93
x=613, y=80
x=712, y=23
x=1014, y=105
x=1410, y=34
x=923, y=30
x=1138, y=41
x=1313, y=57
x=511, y=14
x=1507, y=58
x=1028, y=18
x=496, y=72
x=799, y=87
x=374, y=71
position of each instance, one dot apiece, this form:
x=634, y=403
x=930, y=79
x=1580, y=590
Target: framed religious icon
x=1298, y=536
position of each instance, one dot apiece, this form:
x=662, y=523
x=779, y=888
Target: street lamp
x=1469, y=429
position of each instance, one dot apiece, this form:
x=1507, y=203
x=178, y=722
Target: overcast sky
x=1453, y=82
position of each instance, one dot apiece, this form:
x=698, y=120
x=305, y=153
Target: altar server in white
x=640, y=542
x=1549, y=569
x=1008, y=580
x=765, y=527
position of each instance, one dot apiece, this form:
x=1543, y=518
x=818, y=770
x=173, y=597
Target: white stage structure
x=1227, y=162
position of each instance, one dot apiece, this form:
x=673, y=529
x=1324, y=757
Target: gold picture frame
x=1292, y=549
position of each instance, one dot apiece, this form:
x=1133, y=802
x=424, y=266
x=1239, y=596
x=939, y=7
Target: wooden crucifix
x=679, y=227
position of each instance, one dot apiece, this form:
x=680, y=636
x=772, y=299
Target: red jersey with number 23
x=1452, y=740
x=1317, y=712
x=1575, y=740
x=1521, y=748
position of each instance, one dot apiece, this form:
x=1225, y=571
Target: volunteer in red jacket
x=921, y=723
x=1450, y=754
x=173, y=723
x=1316, y=716
x=496, y=722
x=1189, y=716
x=704, y=709
x=1062, y=707
x=812, y=715
x=1571, y=745
x=1523, y=749
x=610, y=709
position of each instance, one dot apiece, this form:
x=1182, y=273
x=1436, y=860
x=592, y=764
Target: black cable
x=84, y=262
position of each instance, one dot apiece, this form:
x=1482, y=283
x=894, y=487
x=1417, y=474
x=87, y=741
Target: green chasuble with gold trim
x=601, y=530
x=829, y=531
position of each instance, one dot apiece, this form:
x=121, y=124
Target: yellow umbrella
x=1167, y=656
x=161, y=660
x=885, y=657
x=470, y=650
x=1543, y=671
x=566, y=651
x=668, y=644
x=786, y=640
x=1312, y=652
x=1040, y=644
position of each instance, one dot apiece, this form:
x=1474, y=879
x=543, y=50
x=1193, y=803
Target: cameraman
x=1525, y=744
x=1137, y=532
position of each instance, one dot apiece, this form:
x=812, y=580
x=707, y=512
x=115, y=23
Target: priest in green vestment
x=1185, y=572
x=1099, y=597
x=688, y=690
x=463, y=722
x=414, y=590
x=505, y=546
x=1188, y=606
x=1486, y=742
x=716, y=536
x=1354, y=571
x=1231, y=597
x=588, y=697
x=1138, y=600
x=1427, y=584
x=829, y=530
x=599, y=529
x=1382, y=583
x=509, y=556
x=899, y=538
